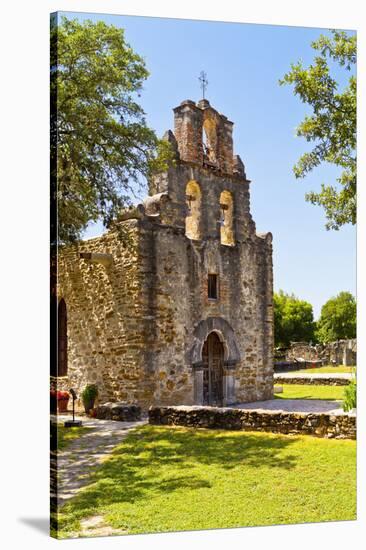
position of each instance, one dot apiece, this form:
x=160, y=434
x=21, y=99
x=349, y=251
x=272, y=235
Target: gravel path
x=82, y=454
x=295, y=405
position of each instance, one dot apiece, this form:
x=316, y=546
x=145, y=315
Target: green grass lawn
x=65, y=435
x=310, y=391
x=327, y=369
x=173, y=478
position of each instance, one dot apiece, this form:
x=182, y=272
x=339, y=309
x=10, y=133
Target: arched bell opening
x=193, y=218
x=227, y=219
x=209, y=140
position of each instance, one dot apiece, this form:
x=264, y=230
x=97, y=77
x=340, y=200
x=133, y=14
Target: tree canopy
x=331, y=126
x=338, y=318
x=293, y=319
x=101, y=146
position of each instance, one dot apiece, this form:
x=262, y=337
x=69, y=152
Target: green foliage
x=173, y=479
x=350, y=396
x=338, y=318
x=293, y=319
x=89, y=393
x=331, y=126
x=101, y=147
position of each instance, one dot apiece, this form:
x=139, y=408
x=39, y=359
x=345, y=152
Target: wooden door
x=213, y=360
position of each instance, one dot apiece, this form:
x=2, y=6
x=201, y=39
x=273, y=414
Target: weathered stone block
x=118, y=411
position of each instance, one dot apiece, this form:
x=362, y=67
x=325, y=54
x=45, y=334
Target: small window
x=212, y=286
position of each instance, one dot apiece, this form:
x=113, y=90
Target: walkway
x=295, y=405
x=82, y=454
x=315, y=375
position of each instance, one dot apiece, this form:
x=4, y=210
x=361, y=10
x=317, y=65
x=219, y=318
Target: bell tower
x=205, y=137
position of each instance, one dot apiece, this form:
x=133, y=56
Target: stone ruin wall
x=341, y=352
x=106, y=314
x=301, y=350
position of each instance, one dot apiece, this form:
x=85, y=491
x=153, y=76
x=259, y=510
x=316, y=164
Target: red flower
x=63, y=395
x=60, y=395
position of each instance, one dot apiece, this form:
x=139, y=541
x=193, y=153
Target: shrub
x=89, y=393
x=88, y=396
x=350, y=396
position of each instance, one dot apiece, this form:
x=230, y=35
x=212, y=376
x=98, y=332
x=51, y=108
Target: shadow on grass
x=137, y=468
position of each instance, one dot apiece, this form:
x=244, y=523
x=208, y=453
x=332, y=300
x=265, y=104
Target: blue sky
x=243, y=63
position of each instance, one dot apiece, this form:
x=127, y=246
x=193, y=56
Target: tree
x=338, y=318
x=332, y=125
x=293, y=319
x=101, y=147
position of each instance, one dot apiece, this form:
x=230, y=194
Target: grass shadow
x=135, y=470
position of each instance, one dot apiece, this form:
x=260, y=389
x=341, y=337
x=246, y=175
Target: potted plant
x=62, y=400
x=88, y=395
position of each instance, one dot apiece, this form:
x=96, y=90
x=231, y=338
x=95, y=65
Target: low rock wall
x=118, y=411
x=340, y=426
x=307, y=381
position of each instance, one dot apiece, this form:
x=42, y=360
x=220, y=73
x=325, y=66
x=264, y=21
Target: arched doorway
x=213, y=370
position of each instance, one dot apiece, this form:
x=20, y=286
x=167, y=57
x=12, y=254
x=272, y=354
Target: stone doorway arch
x=231, y=357
x=213, y=370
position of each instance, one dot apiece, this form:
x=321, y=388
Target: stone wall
x=106, y=311
x=302, y=350
x=340, y=426
x=245, y=288
x=341, y=352
x=331, y=381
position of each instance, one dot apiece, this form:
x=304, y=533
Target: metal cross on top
x=204, y=82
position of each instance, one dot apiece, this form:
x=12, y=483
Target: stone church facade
x=183, y=315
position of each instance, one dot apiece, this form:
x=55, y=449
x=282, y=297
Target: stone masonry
x=341, y=352
x=337, y=426
x=184, y=313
